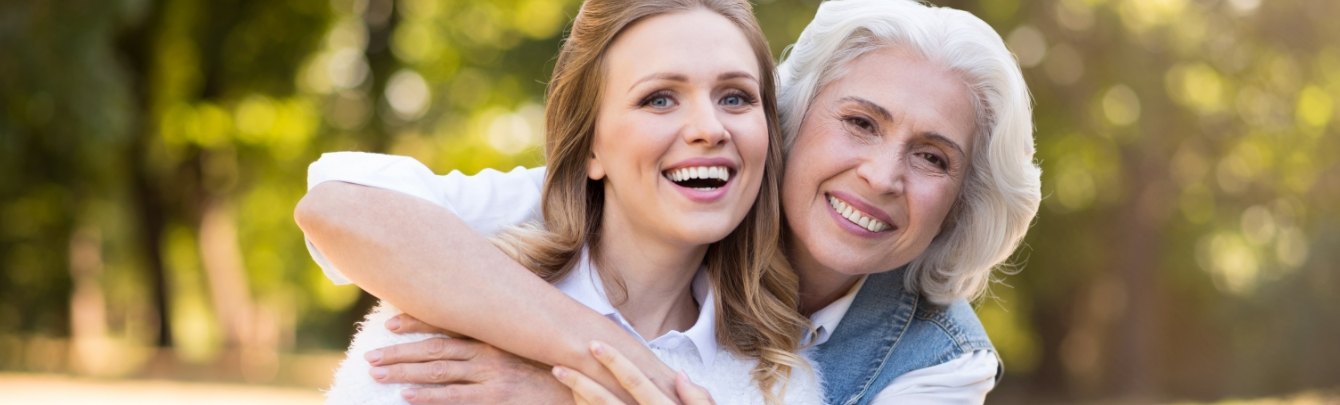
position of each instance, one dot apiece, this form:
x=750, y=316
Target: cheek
x=818, y=155
x=935, y=203
x=797, y=174
x=751, y=134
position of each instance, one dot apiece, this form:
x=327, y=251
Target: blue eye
x=658, y=100
x=737, y=99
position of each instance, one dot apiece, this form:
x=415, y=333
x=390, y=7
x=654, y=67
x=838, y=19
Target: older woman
x=909, y=177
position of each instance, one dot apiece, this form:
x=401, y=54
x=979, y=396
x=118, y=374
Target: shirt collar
x=703, y=332
x=826, y=319
x=584, y=285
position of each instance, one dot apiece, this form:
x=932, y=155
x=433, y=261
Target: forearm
x=430, y=264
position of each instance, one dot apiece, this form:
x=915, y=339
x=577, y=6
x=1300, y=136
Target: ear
x=594, y=169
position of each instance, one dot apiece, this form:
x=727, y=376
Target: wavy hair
x=756, y=289
x=1002, y=190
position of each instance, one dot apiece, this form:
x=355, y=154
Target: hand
x=461, y=370
x=587, y=391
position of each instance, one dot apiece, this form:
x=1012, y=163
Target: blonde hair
x=756, y=289
x=1002, y=190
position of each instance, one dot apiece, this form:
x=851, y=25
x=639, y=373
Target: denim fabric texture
x=889, y=331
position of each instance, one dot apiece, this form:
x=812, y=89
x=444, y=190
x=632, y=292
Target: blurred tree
x=151, y=152
x=1189, y=196
x=59, y=120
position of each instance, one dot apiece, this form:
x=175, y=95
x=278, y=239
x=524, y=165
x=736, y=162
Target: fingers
x=690, y=393
x=584, y=389
x=423, y=351
x=433, y=372
x=630, y=377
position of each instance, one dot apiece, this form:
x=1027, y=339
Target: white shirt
x=487, y=201
x=491, y=200
x=699, y=341
x=694, y=351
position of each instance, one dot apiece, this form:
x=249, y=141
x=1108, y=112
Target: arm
x=400, y=248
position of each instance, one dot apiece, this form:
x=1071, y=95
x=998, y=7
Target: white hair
x=1002, y=190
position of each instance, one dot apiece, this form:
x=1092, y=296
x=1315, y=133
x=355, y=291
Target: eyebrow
x=944, y=139
x=676, y=77
x=736, y=75
x=869, y=105
x=884, y=114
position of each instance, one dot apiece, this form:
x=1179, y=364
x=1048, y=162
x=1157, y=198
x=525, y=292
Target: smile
x=702, y=178
x=857, y=217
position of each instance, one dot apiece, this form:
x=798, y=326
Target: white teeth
x=690, y=173
x=856, y=216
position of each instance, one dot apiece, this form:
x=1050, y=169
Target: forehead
x=914, y=89
x=691, y=42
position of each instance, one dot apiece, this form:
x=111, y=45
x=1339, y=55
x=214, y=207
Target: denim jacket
x=889, y=331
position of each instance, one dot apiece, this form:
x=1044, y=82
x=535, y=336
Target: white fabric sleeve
x=964, y=380
x=488, y=201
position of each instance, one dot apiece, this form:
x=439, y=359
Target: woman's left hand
x=587, y=391
x=461, y=370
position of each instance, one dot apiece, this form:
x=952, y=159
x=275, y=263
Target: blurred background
x=151, y=153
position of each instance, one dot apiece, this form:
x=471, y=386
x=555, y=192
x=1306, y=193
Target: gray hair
x=1002, y=189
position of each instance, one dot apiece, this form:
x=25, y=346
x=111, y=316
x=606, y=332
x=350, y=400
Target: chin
x=850, y=263
x=704, y=233
x=706, y=238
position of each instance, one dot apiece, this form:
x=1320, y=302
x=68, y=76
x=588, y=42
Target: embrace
x=709, y=227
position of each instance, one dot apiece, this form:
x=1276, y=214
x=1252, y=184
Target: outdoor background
x=151, y=153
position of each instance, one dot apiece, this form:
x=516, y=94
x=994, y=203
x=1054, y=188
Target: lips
x=865, y=220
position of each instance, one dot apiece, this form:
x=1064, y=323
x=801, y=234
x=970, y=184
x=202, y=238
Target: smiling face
x=681, y=138
x=878, y=162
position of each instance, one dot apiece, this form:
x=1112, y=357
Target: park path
x=60, y=389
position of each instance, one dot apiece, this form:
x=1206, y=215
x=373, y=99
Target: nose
x=704, y=127
x=884, y=170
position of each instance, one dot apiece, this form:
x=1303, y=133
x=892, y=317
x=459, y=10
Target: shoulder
x=957, y=321
x=906, y=333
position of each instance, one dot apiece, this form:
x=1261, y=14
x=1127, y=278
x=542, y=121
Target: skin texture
x=587, y=391
x=890, y=138
x=672, y=96
x=397, y=248
x=892, y=164
x=660, y=113
x=668, y=103
x=506, y=379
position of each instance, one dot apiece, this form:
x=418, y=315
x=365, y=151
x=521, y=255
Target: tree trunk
x=135, y=44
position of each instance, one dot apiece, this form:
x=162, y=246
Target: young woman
x=909, y=179
x=659, y=203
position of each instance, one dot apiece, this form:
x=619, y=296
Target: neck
x=819, y=284
x=657, y=278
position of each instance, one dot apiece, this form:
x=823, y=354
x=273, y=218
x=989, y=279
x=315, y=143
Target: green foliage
x=151, y=152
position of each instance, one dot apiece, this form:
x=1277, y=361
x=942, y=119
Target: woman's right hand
x=461, y=370
x=587, y=391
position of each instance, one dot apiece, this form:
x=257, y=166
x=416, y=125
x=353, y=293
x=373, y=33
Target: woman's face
x=681, y=137
x=879, y=160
